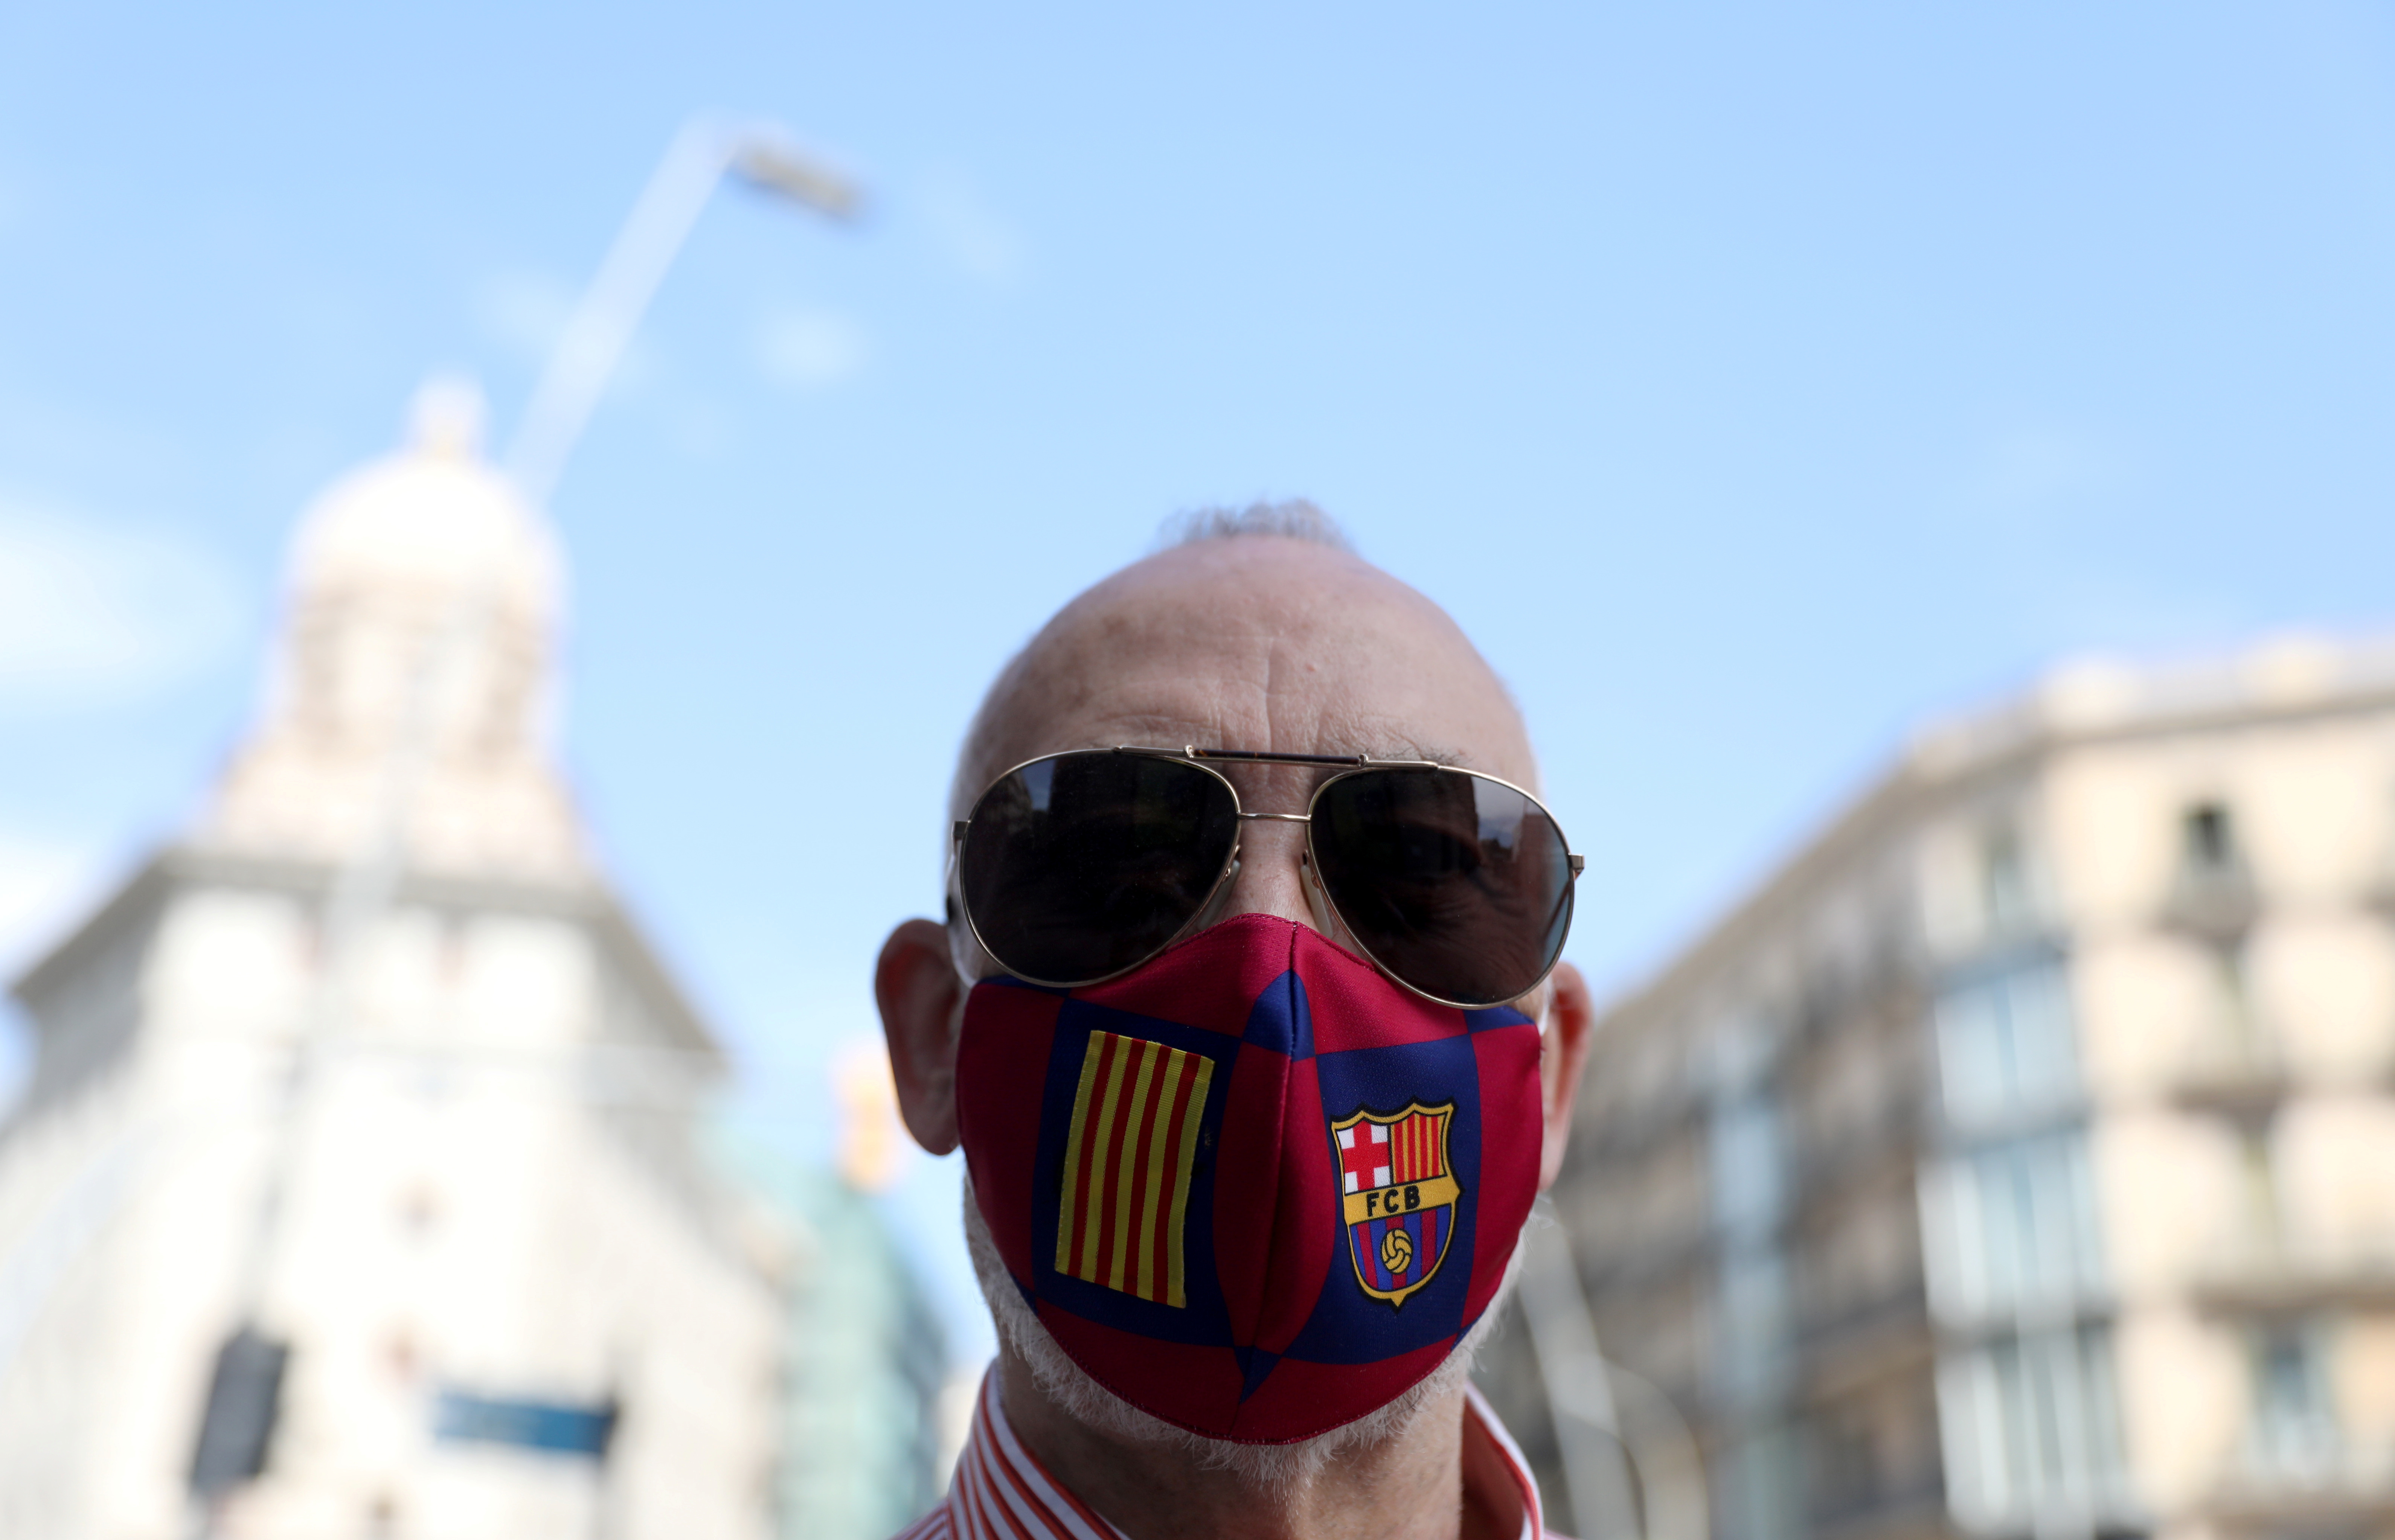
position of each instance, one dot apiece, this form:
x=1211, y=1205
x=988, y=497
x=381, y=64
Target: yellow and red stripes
x=1417, y=1148
x=1127, y=1163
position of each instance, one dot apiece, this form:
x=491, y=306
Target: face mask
x=1252, y=1187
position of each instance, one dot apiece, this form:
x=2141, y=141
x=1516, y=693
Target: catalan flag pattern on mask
x=1127, y=1161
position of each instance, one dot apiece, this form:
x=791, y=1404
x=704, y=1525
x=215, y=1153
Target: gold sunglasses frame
x=1196, y=758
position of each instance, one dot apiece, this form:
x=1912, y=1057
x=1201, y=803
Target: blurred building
x=865, y=1447
x=516, y=1301
x=863, y=1452
x=2019, y=1159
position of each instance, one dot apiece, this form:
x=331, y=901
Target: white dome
x=433, y=514
x=422, y=628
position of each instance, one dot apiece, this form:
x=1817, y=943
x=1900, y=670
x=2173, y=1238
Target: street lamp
x=701, y=155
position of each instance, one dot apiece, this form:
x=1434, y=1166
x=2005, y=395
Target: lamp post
x=586, y=356
x=1631, y=1467
x=244, y=1391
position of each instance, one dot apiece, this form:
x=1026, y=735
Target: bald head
x=1256, y=641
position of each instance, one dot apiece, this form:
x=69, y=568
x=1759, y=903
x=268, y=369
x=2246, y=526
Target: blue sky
x=1751, y=381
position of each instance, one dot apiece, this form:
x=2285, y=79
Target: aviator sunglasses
x=1077, y=866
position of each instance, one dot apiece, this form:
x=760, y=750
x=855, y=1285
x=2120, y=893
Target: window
x=2292, y=1431
x=2237, y=1038
x=2006, y=1043
x=2261, y=1183
x=2232, y=989
x=1753, y=1335
x=1762, y=1487
x=2012, y=1226
x=2031, y=1431
x=1746, y=1164
x=2212, y=893
x=2207, y=840
x=2003, y=883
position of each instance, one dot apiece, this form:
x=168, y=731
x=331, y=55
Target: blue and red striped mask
x=1252, y=1187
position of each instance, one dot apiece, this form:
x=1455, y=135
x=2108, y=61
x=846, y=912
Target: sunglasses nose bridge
x=1268, y=876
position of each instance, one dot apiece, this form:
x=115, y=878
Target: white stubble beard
x=1279, y=1469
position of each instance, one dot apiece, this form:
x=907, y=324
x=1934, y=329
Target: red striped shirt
x=1001, y=1491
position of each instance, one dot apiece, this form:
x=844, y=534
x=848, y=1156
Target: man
x=1257, y=1044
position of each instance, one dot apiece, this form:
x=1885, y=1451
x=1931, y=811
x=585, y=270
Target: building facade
x=863, y=1450
x=867, y=1442
x=372, y=1061
x=2019, y=1159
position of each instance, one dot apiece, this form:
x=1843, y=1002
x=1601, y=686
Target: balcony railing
x=2217, y=903
x=2313, y=1481
x=2235, y=1068
x=2266, y=1274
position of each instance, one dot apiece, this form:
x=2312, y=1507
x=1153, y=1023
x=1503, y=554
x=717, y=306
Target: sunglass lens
x=1458, y=884
x=1080, y=865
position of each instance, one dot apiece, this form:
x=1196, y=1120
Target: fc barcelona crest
x=1399, y=1193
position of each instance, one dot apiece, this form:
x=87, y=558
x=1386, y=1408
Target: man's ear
x=1571, y=1024
x=922, y=1005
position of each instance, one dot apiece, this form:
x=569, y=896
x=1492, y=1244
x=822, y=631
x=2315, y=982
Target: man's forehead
x=1255, y=643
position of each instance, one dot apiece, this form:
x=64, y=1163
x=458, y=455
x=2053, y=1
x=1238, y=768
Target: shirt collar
x=1001, y=1491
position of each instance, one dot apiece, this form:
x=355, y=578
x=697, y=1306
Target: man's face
x=1253, y=643
x=1257, y=642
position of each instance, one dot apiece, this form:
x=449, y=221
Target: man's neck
x=1408, y=1486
